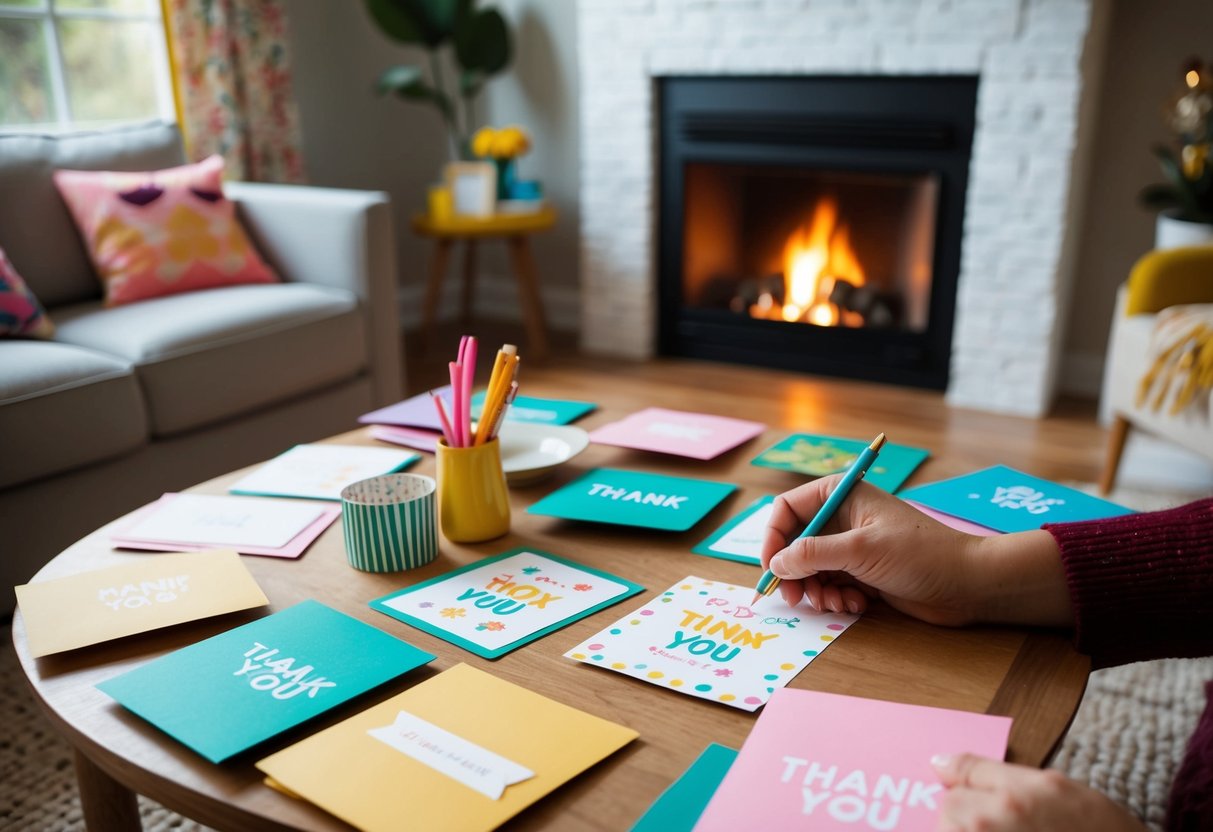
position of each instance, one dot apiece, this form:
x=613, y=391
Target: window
x=82, y=63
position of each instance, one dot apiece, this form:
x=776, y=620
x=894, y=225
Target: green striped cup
x=389, y=522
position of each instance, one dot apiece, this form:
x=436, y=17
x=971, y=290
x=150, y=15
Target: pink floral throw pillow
x=161, y=232
x=20, y=312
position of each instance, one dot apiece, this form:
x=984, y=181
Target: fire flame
x=815, y=256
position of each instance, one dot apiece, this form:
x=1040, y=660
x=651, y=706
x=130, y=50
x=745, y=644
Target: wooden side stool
x=516, y=230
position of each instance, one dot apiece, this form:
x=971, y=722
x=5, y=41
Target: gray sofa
x=128, y=402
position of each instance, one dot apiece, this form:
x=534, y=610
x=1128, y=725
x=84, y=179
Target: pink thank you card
x=827, y=762
x=696, y=435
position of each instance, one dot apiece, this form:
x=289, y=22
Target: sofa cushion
x=161, y=232
x=21, y=315
x=35, y=227
x=212, y=355
x=62, y=406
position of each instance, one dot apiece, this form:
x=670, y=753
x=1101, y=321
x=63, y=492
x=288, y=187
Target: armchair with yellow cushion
x=1159, y=374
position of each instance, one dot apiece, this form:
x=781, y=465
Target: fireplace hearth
x=814, y=223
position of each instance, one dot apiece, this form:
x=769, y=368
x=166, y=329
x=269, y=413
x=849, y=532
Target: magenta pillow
x=20, y=312
x=161, y=232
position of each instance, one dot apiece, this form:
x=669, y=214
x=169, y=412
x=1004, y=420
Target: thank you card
x=633, y=498
x=239, y=688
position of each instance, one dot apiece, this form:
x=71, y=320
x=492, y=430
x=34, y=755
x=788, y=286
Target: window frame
x=48, y=14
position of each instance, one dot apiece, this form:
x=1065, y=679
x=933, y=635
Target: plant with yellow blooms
x=501, y=142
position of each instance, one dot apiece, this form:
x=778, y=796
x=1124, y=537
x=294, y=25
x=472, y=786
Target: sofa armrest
x=1169, y=277
x=334, y=237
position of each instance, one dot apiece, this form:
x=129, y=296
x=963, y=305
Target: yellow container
x=440, y=204
x=473, y=501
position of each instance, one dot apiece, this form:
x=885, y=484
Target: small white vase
x=1171, y=232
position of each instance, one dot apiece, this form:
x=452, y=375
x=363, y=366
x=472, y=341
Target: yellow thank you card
x=461, y=751
x=149, y=592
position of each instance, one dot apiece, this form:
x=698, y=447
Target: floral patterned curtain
x=233, y=83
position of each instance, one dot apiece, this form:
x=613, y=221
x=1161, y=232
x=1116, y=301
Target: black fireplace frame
x=867, y=124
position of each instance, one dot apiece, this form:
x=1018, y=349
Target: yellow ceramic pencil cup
x=473, y=501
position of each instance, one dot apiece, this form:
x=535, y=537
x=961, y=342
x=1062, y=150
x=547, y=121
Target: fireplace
x=814, y=223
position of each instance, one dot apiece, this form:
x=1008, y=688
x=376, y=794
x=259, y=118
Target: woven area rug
x=1127, y=739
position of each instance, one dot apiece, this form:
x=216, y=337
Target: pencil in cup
x=768, y=583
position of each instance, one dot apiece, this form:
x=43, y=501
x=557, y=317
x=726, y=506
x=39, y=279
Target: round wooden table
x=516, y=230
x=1033, y=676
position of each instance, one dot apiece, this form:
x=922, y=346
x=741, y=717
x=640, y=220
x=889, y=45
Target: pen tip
x=877, y=443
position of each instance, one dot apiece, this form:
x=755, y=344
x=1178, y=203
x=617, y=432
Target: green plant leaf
x=397, y=78
x=425, y=22
x=471, y=82
x=1158, y=197
x=482, y=41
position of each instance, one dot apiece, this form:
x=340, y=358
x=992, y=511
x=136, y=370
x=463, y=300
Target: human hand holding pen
x=878, y=546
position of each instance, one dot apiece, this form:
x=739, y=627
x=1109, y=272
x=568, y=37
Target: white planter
x=1170, y=232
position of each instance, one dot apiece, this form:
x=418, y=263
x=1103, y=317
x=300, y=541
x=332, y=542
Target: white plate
x=530, y=452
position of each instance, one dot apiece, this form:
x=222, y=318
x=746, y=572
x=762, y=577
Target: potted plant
x=480, y=47
x=1185, y=201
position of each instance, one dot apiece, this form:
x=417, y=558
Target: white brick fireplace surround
x=1014, y=276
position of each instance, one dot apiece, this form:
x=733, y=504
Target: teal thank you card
x=679, y=807
x=1010, y=501
x=820, y=456
x=228, y=693
x=632, y=498
x=539, y=411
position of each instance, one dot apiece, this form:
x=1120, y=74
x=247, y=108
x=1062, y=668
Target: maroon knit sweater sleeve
x=1142, y=588
x=1141, y=585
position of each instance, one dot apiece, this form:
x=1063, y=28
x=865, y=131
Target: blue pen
x=768, y=583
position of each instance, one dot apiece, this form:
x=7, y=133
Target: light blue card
x=498, y=604
x=540, y=411
x=1010, y=501
x=679, y=807
x=740, y=538
x=820, y=456
x=230, y=692
x=632, y=498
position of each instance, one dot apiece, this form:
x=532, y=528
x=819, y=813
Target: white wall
x=353, y=138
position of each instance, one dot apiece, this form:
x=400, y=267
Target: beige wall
x=1147, y=42
x=355, y=139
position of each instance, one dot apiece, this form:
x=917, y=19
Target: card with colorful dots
x=820, y=456
x=501, y=603
x=704, y=639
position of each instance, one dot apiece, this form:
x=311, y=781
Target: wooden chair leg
x=528, y=292
x=106, y=804
x=469, y=278
x=1116, y=446
x=429, y=308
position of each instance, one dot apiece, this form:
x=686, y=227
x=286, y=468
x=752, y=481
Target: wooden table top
x=1033, y=676
x=461, y=226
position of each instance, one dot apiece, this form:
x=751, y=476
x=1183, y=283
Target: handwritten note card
x=633, y=498
x=1007, y=500
x=820, y=456
x=495, y=732
x=144, y=594
x=828, y=762
x=319, y=472
x=740, y=539
x=695, y=435
x=239, y=688
x=703, y=638
x=504, y=602
x=250, y=525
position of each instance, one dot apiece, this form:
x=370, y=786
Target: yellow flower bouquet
x=501, y=142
